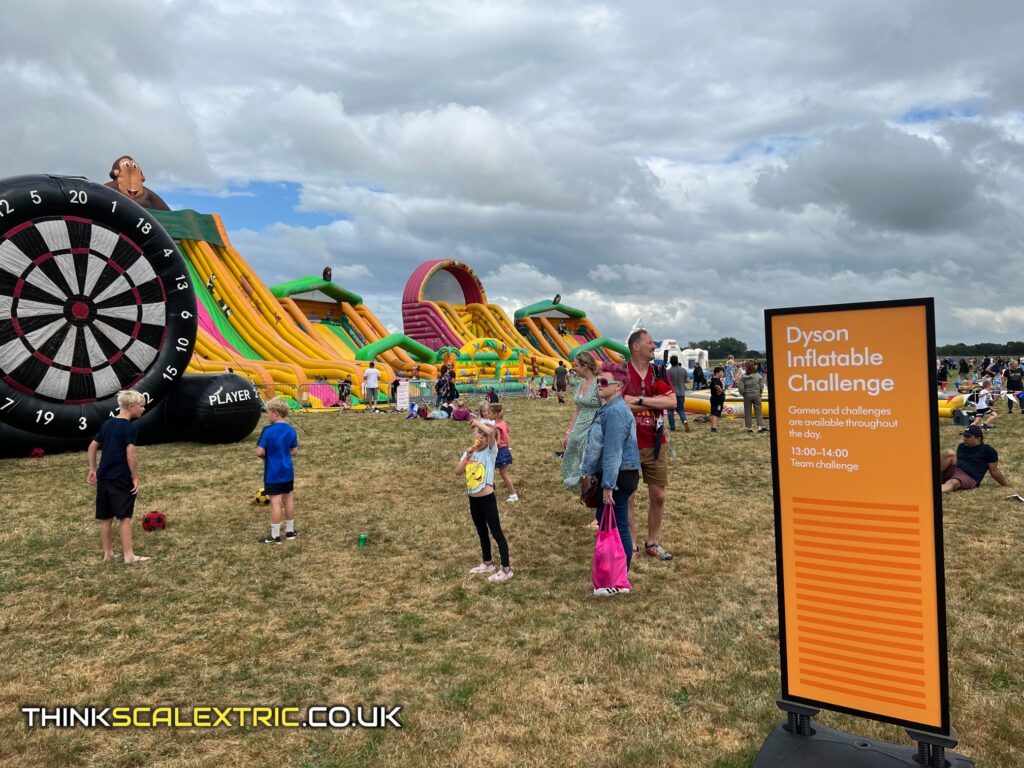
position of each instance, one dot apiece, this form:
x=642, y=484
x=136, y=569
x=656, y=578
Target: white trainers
x=501, y=576
x=609, y=591
x=482, y=569
x=513, y=498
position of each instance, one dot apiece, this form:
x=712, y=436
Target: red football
x=153, y=521
x=37, y=453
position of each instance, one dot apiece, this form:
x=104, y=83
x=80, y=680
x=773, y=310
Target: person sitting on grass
x=277, y=446
x=425, y=412
x=476, y=466
x=965, y=468
x=117, y=477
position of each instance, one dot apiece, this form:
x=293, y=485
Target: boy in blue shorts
x=277, y=445
x=117, y=477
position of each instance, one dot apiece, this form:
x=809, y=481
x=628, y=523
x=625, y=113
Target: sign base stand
x=796, y=743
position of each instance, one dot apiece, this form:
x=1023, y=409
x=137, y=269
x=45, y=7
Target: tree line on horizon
x=723, y=347
x=985, y=348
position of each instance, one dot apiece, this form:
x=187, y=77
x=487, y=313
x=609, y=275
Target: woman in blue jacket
x=612, y=458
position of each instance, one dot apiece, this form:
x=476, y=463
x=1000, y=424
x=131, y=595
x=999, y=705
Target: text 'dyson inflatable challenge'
x=94, y=298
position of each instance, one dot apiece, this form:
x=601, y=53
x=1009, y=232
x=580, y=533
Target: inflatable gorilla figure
x=128, y=179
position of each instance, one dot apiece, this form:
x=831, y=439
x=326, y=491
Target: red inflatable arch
x=440, y=280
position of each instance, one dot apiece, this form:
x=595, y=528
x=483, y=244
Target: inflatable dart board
x=94, y=298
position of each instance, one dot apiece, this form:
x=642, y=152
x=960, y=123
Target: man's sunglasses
x=606, y=382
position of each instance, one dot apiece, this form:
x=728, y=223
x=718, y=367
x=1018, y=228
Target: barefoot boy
x=277, y=445
x=117, y=478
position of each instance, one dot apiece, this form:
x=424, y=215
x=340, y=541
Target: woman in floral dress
x=584, y=395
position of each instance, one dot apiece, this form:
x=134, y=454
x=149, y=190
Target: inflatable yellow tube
x=554, y=335
x=284, y=378
x=341, y=349
x=948, y=405
x=614, y=356
x=476, y=346
x=267, y=328
x=700, y=402
x=451, y=316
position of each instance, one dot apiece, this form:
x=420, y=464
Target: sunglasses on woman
x=606, y=382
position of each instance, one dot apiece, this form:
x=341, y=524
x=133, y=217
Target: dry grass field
x=684, y=671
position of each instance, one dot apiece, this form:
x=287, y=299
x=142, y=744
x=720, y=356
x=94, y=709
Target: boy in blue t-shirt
x=277, y=445
x=117, y=477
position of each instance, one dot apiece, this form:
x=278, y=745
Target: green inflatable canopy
x=603, y=341
x=313, y=283
x=188, y=225
x=550, y=306
x=417, y=351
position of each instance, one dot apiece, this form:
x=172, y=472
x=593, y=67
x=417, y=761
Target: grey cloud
x=879, y=177
x=300, y=132
x=692, y=163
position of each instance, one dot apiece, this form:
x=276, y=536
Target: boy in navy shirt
x=966, y=468
x=717, y=399
x=277, y=445
x=117, y=477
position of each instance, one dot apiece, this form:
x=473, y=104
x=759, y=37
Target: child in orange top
x=504, y=461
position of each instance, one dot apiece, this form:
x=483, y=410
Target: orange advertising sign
x=857, y=510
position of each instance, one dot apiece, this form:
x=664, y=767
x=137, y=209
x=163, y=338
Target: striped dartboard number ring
x=94, y=298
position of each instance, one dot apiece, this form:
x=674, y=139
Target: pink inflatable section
x=207, y=324
x=325, y=393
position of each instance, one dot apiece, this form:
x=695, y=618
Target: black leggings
x=484, y=511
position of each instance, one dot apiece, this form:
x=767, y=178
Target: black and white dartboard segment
x=94, y=298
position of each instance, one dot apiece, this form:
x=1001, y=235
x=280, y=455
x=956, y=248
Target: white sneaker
x=609, y=591
x=482, y=569
x=513, y=498
x=501, y=576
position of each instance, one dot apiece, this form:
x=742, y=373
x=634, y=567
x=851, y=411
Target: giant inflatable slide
x=245, y=327
x=444, y=306
x=563, y=331
x=350, y=327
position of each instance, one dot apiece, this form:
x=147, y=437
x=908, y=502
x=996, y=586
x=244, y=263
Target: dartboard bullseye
x=94, y=298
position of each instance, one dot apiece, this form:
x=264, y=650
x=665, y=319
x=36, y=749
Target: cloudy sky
x=687, y=163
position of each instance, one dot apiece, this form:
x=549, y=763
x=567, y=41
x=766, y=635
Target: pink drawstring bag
x=609, y=569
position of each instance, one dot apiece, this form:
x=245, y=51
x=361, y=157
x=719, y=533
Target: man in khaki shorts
x=648, y=395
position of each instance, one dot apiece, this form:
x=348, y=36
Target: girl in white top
x=477, y=467
x=984, y=414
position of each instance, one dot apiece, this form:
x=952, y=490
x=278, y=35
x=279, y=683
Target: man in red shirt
x=648, y=395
